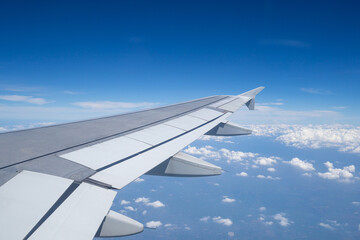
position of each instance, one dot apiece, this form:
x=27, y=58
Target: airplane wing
x=59, y=182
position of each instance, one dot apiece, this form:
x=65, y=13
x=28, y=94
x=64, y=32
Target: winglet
x=251, y=96
x=252, y=93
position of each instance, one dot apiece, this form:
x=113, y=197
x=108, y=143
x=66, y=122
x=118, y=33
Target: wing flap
x=105, y=153
x=25, y=199
x=127, y=171
x=79, y=216
x=156, y=134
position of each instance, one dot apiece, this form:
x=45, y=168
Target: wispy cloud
x=70, y=92
x=285, y=43
x=315, y=91
x=113, y=105
x=276, y=115
x=27, y=99
x=22, y=89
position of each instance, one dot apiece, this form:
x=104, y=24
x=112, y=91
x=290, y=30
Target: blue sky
x=304, y=52
x=297, y=176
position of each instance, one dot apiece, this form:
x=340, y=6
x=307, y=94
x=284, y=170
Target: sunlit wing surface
x=58, y=182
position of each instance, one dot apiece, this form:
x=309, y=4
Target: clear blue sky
x=171, y=51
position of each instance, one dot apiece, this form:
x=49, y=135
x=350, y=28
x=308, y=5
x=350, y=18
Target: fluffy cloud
x=345, y=138
x=227, y=200
x=205, y=219
x=206, y=151
x=153, y=224
x=142, y=200
x=271, y=169
x=229, y=155
x=223, y=221
x=268, y=177
x=216, y=138
x=130, y=208
x=242, y=174
x=236, y=156
x=147, y=202
x=344, y=174
x=113, y=105
x=262, y=208
x=155, y=204
x=27, y=99
x=266, y=161
x=124, y=202
x=296, y=162
x=283, y=221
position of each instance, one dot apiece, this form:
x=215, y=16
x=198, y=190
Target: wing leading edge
x=76, y=205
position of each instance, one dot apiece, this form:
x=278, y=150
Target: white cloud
x=271, y=169
x=343, y=175
x=153, y=224
x=139, y=180
x=170, y=226
x=315, y=91
x=224, y=221
x=268, y=177
x=216, y=138
x=269, y=223
x=356, y=203
x=242, y=174
x=147, y=202
x=330, y=224
x=113, y=105
x=262, y=208
x=144, y=212
x=307, y=174
x=205, y=219
x=325, y=225
x=231, y=234
x=296, y=162
x=229, y=155
x=206, y=151
x=124, y=202
x=276, y=115
x=236, y=156
x=142, y=200
x=345, y=138
x=283, y=221
x=187, y=228
x=227, y=200
x=155, y=204
x=130, y=208
x=266, y=161
x=27, y=99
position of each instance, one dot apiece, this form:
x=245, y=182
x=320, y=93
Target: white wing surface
x=56, y=182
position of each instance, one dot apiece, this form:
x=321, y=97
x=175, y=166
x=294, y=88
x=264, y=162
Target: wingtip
x=252, y=93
